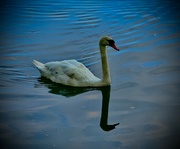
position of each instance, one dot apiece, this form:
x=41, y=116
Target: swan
x=74, y=73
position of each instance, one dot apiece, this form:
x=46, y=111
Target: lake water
x=144, y=94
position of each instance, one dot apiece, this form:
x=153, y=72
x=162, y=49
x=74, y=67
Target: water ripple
x=144, y=73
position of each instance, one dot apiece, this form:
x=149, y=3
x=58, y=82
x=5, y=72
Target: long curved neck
x=105, y=66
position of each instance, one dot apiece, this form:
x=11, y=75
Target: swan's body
x=73, y=73
x=68, y=72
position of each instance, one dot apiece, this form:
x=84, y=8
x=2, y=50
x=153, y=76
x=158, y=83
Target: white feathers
x=67, y=72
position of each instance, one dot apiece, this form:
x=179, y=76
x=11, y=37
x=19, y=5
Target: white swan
x=73, y=73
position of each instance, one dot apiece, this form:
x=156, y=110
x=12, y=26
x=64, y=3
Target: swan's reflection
x=63, y=90
x=73, y=91
x=104, y=112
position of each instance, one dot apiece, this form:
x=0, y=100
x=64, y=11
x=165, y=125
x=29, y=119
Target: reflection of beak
x=114, y=46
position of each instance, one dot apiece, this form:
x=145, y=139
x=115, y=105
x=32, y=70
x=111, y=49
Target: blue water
x=141, y=108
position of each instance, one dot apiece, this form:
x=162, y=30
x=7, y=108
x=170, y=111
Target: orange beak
x=114, y=46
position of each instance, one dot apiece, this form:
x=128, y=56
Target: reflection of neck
x=105, y=66
x=104, y=113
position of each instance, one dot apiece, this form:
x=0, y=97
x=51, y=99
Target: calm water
x=144, y=95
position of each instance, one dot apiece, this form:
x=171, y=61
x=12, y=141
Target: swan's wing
x=69, y=72
x=67, y=67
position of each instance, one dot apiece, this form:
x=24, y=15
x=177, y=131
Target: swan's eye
x=111, y=42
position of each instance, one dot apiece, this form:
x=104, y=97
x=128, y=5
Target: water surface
x=141, y=108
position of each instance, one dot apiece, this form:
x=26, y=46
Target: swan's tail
x=39, y=65
x=42, y=69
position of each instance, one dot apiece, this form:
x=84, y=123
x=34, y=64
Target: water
x=144, y=94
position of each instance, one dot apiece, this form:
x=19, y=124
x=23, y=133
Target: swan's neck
x=106, y=80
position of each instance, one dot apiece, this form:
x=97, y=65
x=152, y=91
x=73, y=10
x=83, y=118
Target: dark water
x=144, y=94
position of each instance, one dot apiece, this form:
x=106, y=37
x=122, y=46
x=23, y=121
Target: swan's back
x=67, y=72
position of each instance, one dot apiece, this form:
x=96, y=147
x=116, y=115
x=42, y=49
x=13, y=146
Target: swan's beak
x=114, y=46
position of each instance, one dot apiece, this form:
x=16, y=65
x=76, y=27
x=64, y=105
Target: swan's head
x=108, y=41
